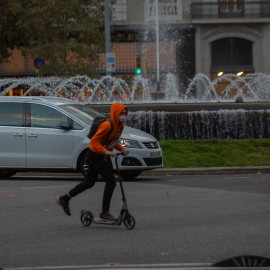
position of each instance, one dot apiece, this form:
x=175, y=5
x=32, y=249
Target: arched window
x=231, y=55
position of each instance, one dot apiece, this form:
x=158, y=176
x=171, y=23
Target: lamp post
x=107, y=37
x=157, y=40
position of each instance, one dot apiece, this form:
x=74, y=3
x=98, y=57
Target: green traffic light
x=138, y=71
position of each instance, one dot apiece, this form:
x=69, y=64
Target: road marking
x=182, y=180
x=179, y=180
x=124, y=266
x=46, y=176
x=234, y=177
x=44, y=187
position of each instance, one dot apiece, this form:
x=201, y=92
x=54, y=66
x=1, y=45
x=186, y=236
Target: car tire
x=84, y=167
x=130, y=175
x=7, y=174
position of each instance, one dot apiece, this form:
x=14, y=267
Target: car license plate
x=155, y=154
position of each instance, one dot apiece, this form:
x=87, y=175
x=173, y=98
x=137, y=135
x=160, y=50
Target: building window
x=165, y=7
x=120, y=10
x=231, y=54
x=167, y=10
x=230, y=8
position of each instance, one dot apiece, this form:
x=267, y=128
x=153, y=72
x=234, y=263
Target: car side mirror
x=64, y=126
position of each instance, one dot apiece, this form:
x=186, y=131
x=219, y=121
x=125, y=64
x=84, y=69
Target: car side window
x=11, y=114
x=77, y=126
x=46, y=117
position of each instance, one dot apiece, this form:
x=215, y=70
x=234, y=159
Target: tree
x=66, y=33
x=11, y=35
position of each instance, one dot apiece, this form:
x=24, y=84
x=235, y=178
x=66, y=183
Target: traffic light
x=138, y=65
x=144, y=68
x=17, y=93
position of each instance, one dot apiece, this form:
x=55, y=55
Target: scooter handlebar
x=120, y=154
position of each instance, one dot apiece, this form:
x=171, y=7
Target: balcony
x=230, y=9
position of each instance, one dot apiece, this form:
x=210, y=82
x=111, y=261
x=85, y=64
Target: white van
x=50, y=134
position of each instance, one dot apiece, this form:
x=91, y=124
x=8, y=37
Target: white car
x=50, y=134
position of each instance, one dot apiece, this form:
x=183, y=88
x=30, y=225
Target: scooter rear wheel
x=129, y=222
x=86, y=218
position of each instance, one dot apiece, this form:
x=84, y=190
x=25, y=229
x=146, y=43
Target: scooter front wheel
x=86, y=218
x=129, y=222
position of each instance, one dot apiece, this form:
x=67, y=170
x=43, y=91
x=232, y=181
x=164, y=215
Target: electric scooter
x=87, y=217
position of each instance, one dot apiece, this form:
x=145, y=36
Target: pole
x=157, y=38
x=107, y=37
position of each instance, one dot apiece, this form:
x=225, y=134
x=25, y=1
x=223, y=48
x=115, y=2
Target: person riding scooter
x=101, y=145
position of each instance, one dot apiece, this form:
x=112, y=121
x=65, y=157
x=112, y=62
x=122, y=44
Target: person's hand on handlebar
x=125, y=152
x=111, y=153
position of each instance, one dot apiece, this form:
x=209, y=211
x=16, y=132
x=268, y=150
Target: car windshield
x=83, y=112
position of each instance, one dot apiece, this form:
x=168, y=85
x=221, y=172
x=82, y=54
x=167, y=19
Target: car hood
x=137, y=135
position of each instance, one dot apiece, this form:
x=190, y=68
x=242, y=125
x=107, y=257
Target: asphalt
x=174, y=171
x=182, y=220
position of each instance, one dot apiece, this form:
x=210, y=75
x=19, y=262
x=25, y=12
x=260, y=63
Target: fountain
x=201, y=125
x=251, y=88
x=178, y=115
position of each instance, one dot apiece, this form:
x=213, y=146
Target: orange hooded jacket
x=98, y=141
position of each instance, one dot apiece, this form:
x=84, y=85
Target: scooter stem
x=120, y=179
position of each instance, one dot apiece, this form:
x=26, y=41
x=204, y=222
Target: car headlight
x=129, y=143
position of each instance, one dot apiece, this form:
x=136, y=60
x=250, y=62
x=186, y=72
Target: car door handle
x=18, y=134
x=32, y=135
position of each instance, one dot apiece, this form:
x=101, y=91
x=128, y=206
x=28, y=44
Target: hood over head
x=116, y=109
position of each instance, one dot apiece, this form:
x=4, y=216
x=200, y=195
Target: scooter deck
x=97, y=221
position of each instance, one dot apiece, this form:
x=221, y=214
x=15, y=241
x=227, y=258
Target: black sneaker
x=106, y=216
x=63, y=204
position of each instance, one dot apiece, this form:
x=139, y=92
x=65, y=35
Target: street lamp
x=157, y=39
x=107, y=36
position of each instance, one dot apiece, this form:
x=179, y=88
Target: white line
x=44, y=187
x=208, y=267
x=187, y=179
x=123, y=266
x=46, y=176
x=234, y=177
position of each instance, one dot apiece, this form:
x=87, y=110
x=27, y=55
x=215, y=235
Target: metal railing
x=230, y=9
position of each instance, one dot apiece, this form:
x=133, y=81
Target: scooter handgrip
x=120, y=154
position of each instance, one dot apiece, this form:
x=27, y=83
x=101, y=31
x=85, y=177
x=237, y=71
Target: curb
x=174, y=171
x=209, y=170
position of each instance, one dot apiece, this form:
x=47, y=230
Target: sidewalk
x=175, y=171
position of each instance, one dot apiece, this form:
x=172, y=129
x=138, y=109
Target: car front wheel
x=6, y=174
x=84, y=167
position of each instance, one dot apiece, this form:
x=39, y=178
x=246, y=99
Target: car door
x=12, y=134
x=47, y=146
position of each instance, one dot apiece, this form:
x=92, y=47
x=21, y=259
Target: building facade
x=196, y=36
x=211, y=37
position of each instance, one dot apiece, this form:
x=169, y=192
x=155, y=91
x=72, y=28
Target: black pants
x=97, y=165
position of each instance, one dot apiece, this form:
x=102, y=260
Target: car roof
x=54, y=100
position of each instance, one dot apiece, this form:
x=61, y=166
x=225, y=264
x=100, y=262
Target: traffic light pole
x=107, y=37
x=157, y=38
